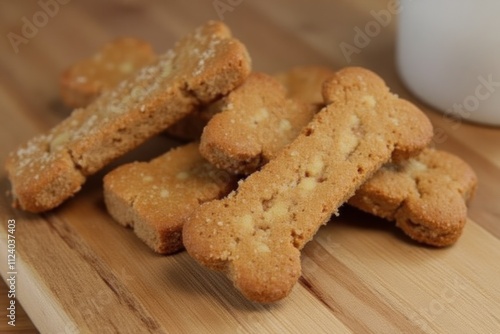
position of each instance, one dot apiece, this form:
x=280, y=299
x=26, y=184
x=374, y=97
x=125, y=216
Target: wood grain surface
x=79, y=271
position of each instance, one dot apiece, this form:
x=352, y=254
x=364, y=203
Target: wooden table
x=78, y=270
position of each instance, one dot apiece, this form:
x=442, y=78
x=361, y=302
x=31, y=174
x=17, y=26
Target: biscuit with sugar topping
x=256, y=233
x=426, y=196
x=255, y=122
x=202, y=67
x=116, y=61
x=155, y=198
x=85, y=80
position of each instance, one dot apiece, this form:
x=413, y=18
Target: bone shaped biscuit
x=52, y=167
x=425, y=195
x=256, y=233
x=118, y=60
x=255, y=122
x=155, y=198
x=387, y=191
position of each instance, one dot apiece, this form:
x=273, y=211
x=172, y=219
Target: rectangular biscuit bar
x=52, y=167
x=155, y=198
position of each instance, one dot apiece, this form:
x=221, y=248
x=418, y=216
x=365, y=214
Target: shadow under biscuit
x=58, y=108
x=357, y=219
x=184, y=274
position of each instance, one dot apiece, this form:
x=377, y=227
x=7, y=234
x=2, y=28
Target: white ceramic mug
x=448, y=55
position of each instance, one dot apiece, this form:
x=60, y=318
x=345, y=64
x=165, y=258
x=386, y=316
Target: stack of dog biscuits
x=52, y=167
x=272, y=157
x=255, y=235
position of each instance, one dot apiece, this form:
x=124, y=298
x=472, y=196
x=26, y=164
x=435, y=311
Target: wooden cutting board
x=79, y=271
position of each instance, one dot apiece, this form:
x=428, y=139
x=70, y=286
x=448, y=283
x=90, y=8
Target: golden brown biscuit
x=256, y=121
x=301, y=83
x=425, y=195
x=52, y=167
x=116, y=61
x=304, y=83
x=155, y=198
x=84, y=81
x=256, y=233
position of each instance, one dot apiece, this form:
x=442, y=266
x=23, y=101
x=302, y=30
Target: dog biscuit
x=256, y=233
x=115, y=62
x=84, y=81
x=384, y=194
x=426, y=196
x=256, y=121
x=203, y=66
x=155, y=198
x=301, y=83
